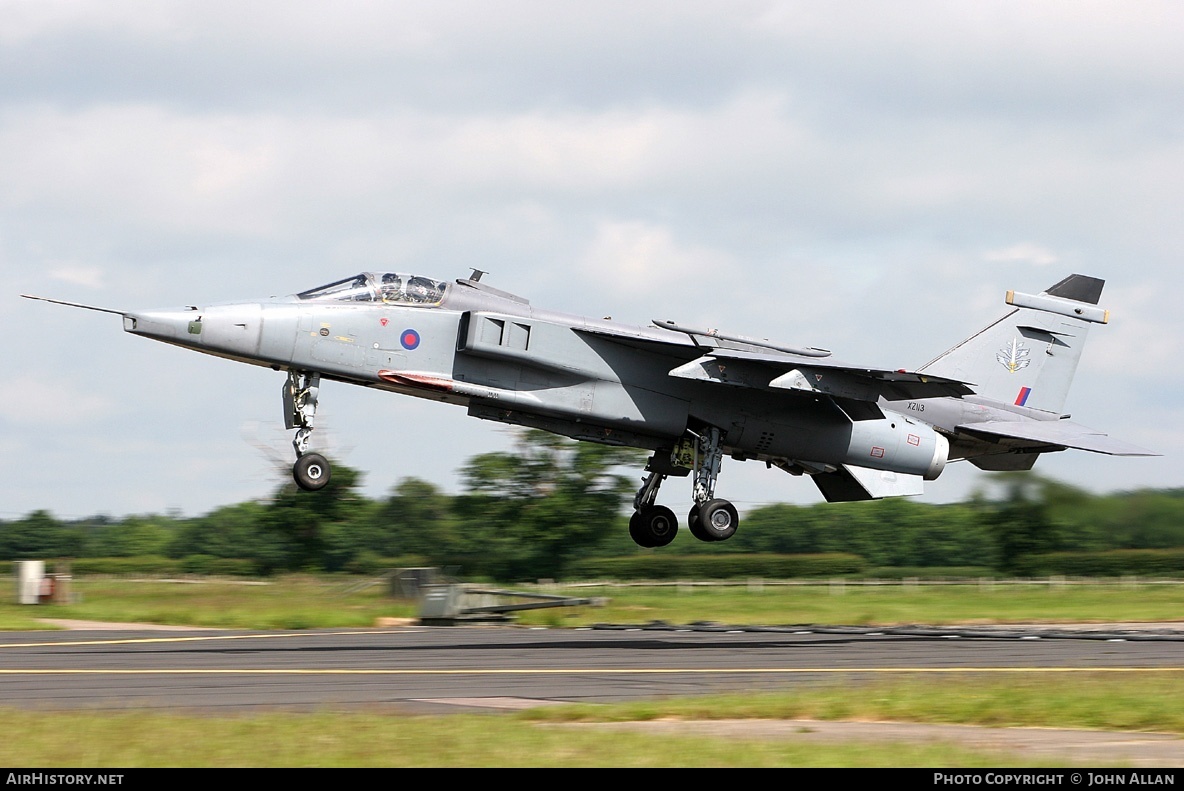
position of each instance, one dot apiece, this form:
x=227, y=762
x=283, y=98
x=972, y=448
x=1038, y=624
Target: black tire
x=661, y=524
x=653, y=526
x=637, y=533
x=693, y=524
x=311, y=472
x=718, y=519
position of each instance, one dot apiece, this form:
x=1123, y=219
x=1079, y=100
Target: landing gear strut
x=711, y=519
x=311, y=470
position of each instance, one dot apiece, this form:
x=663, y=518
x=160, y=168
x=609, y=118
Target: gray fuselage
x=504, y=360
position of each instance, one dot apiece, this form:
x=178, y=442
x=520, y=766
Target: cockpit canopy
x=388, y=287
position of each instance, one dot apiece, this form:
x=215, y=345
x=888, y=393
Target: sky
x=866, y=177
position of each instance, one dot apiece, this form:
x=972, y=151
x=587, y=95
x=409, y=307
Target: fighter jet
x=692, y=396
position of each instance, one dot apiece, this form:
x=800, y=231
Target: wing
x=726, y=361
x=814, y=376
x=1057, y=433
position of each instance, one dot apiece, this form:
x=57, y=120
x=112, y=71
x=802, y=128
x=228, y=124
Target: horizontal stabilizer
x=1062, y=433
x=852, y=484
x=1011, y=461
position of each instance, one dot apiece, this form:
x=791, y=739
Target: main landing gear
x=710, y=519
x=311, y=470
x=651, y=525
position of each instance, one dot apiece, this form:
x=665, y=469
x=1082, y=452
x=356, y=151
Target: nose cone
x=224, y=330
x=170, y=326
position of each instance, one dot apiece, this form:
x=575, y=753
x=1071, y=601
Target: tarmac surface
x=437, y=670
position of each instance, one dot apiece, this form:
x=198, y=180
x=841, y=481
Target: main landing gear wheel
x=710, y=519
x=717, y=519
x=311, y=472
x=653, y=526
x=696, y=529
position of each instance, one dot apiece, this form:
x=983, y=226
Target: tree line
x=533, y=512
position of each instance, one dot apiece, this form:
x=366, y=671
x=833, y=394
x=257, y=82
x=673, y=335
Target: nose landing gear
x=311, y=470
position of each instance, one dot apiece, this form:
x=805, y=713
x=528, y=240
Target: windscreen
x=352, y=289
x=388, y=287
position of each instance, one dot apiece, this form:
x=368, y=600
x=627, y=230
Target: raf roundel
x=409, y=339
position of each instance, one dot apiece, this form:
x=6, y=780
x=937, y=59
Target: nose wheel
x=311, y=470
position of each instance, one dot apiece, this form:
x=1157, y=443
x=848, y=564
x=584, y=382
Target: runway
x=449, y=669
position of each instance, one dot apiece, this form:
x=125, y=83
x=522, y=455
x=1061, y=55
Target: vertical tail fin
x=1029, y=356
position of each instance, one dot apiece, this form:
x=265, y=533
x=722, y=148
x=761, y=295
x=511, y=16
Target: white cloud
x=1025, y=252
x=79, y=275
x=41, y=401
x=1142, y=338
x=822, y=174
x=632, y=255
x=36, y=21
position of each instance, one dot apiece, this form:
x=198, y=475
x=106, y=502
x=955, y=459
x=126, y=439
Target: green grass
x=14, y=618
x=541, y=738
x=294, y=602
x=875, y=605
x=306, y=602
x=1133, y=701
x=327, y=739
x=1120, y=701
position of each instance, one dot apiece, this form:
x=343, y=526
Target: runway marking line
x=259, y=636
x=567, y=671
x=490, y=671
